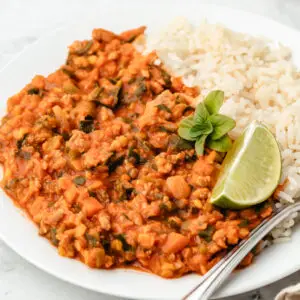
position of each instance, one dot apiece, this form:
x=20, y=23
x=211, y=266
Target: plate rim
x=130, y=295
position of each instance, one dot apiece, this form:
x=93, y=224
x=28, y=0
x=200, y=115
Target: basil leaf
x=201, y=113
x=185, y=134
x=222, y=145
x=187, y=122
x=214, y=101
x=199, y=145
x=184, y=128
x=201, y=128
x=221, y=124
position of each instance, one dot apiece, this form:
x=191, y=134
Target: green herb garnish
x=66, y=136
x=187, y=109
x=12, y=184
x=207, y=233
x=164, y=108
x=87, y=125
x=33, y=91
x=127, y=120
x=84, y=49
x=138, y=159
x=126, y=194
x=69, y=73
x=79, y=180
x=167, y=129
x=53, y=238
x=207, y=126
x=113, y=162
x=178, y=144
x=92, y=194
x=141, y=88
x=173, y=224
x=116, y=93
x=105, y=244
x=122, y=238
x=21, y=141
x=167, y=78
x=244, y=223
x=92, y=241
x=163, y=207
x=70, y=88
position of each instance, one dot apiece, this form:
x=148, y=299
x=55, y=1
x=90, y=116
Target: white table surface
x=23, y=22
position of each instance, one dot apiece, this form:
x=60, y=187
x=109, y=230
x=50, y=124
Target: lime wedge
x=250, y=171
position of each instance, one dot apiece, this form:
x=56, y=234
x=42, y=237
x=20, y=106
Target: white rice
x=258, y=78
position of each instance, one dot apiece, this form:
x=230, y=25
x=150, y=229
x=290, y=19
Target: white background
x=23, y=22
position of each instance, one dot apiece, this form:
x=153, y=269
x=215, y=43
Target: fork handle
x=218, y=274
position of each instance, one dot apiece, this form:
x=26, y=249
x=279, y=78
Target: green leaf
x=207, y=233
x=244, y=223
x=164, y=108
x=92, y=241
x=132, y=153
x=198, y=129
x=222, y=125
x=199, y=145
x=53, y=237
x=121, y=237
x=185, y=134
x=87, y=125
x=79, y=180
x=114, y=162
x=33, y=91
x=187, y=122
x=222, y=145
x=84, y=49
x=178, y=144
x=184, y=128
x=201, y=113
x=21, y=141
x=167, y=129
x=214, y=101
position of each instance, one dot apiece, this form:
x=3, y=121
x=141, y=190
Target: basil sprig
x=207, y=126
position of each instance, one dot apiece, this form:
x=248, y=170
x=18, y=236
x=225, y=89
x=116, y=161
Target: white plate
x=49, y=53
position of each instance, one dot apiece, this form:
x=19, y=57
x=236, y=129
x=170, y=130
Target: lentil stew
x=92, y=154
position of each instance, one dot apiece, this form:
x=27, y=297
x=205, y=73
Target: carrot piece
x=91, y=206
x=175, y=242
x=70, y=194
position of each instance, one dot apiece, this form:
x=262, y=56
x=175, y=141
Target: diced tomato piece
x=91, y=206
x=175, y=242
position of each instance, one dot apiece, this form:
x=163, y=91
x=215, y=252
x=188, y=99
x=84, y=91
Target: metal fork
x=219, y=273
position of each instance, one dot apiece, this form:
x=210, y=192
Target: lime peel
x=250, y=171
